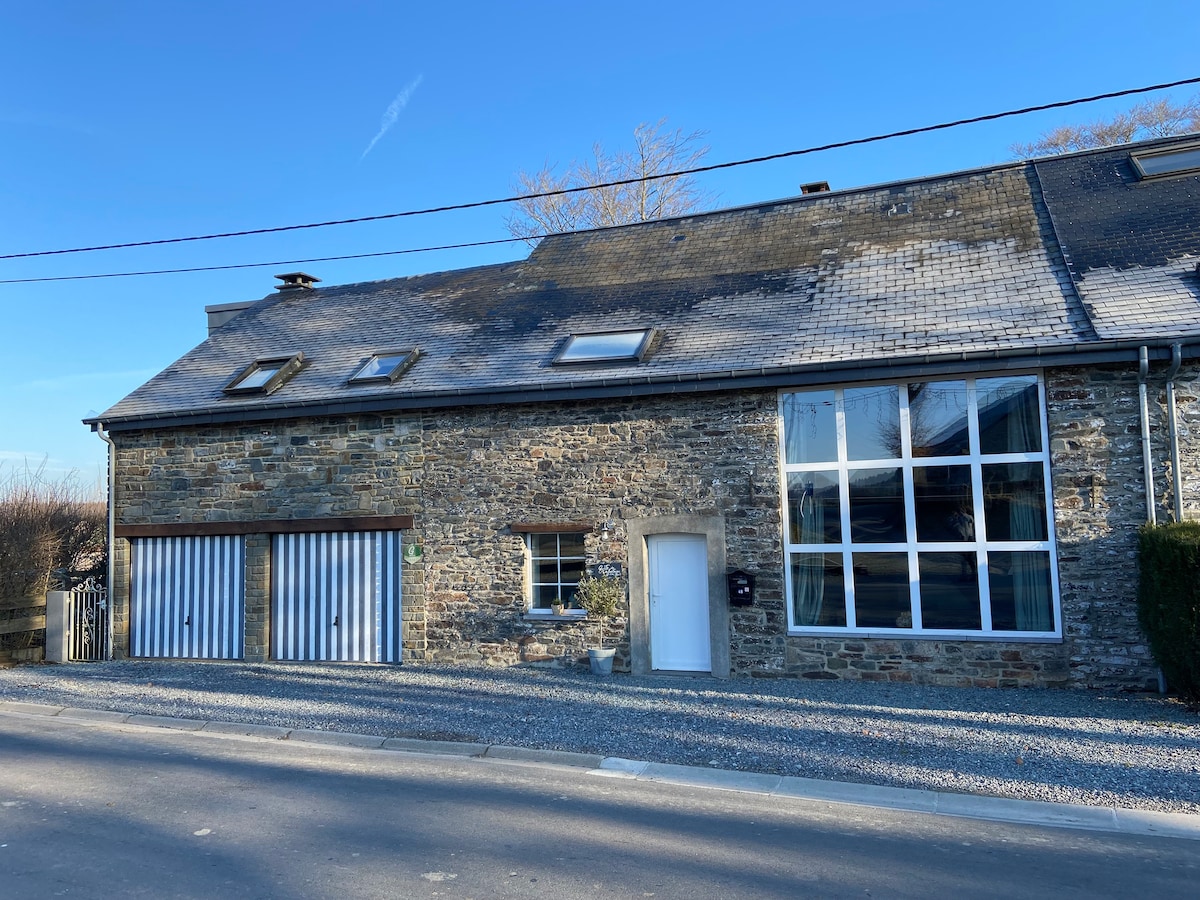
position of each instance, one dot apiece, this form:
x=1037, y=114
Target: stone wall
x=1100, y=504
x=1187, y=390
x=688, y=455
x=469, y=475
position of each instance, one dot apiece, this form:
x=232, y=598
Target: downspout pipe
x=1144, y=409
x=112, y=521
x=1173, y=431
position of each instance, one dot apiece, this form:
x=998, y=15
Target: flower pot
x=601, y=660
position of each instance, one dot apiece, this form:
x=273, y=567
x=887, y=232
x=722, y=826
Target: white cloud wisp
x=393, y=113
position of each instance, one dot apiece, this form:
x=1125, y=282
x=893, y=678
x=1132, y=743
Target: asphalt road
x=96, y=810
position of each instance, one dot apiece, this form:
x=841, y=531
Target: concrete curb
x=336, y=738
x=246, y=730
x=996, y=809
x=552, y=757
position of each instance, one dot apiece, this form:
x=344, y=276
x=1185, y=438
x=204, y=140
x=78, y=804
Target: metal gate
x=187, y=597
x=336, y=596
x=87, y=622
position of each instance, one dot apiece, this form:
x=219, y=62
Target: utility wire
x=281, y=262
x=591, y=187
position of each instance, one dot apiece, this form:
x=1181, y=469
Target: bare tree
x=656, y=151
x=1157, y=118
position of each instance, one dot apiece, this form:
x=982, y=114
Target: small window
x=556, y=564
x=1167, y=162
x=385, y=366
x=609, y=346
x=263, y=376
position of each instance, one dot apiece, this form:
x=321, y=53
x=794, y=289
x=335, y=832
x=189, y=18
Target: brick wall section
x=468, y=474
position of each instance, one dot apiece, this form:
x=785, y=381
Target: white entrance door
x=678, y=576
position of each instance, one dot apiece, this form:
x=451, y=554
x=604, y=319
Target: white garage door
x=186, y=597
x=336, y=596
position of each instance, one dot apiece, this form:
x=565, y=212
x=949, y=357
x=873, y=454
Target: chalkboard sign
x=607, y=570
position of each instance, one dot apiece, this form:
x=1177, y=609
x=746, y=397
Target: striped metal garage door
x=336, y=596
x=187, y=598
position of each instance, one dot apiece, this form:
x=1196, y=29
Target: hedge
x=1169, y=602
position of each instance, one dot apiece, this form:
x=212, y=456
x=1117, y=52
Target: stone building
x=925, y=418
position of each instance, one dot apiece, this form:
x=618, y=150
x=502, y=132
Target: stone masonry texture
x=468, y=475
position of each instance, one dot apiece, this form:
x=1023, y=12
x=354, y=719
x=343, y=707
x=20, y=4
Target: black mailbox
x=741, y=588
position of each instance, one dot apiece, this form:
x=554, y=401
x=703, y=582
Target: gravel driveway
x=1067, y=746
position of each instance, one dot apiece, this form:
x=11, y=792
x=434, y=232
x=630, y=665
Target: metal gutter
x=1144, y=415
x=1091, y=353
x=1173, y=431
x=110, y=531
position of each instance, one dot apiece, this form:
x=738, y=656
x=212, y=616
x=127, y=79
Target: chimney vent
x=296, y=281
x=815, y=187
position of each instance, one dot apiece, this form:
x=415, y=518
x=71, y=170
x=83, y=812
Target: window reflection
x=1014, y=502
x=1009, y=419
x=810, y=427
x=945, y=504
x=949, y=591
x=556, y=565
x=965, y=496
x=881, y=593
x=818, y=589
x=937, y=414
x=877, y=506
x=872, y=422
x=814, y=508
x=1021, y=597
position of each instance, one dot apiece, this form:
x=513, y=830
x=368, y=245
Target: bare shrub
x=47, y=527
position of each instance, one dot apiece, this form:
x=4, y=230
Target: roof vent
x=815, y=187
x=296, y=281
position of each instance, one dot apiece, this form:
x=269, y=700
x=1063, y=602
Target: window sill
x=537, y=615
x=1012, y=637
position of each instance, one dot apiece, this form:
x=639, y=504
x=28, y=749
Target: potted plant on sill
x=601, y=597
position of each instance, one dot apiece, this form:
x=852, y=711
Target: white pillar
x=58, y=626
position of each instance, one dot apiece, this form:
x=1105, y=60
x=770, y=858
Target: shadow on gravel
x=1070, y=746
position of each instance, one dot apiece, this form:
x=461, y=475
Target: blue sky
x=128, y=121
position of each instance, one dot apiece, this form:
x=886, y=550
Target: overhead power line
x=591, y=187
x=278, y=262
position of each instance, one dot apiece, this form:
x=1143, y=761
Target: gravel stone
x=1132, y=751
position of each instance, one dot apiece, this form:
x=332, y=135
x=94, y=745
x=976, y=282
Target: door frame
x=712, y=529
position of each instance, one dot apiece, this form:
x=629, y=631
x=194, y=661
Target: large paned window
x=556, y=565
x=919, y=508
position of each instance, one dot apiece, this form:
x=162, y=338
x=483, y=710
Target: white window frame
x=405, y=359
x=975, y=459
x=1143, y=162
x=280, y=369
x=530, y=567
x=575, y=351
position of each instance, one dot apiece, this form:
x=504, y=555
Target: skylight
x=384, y=366
x=264, y=376
x=1167, y=162
x=609, y=346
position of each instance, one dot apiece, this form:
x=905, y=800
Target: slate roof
x=1002, y=266
x=1132, y=245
